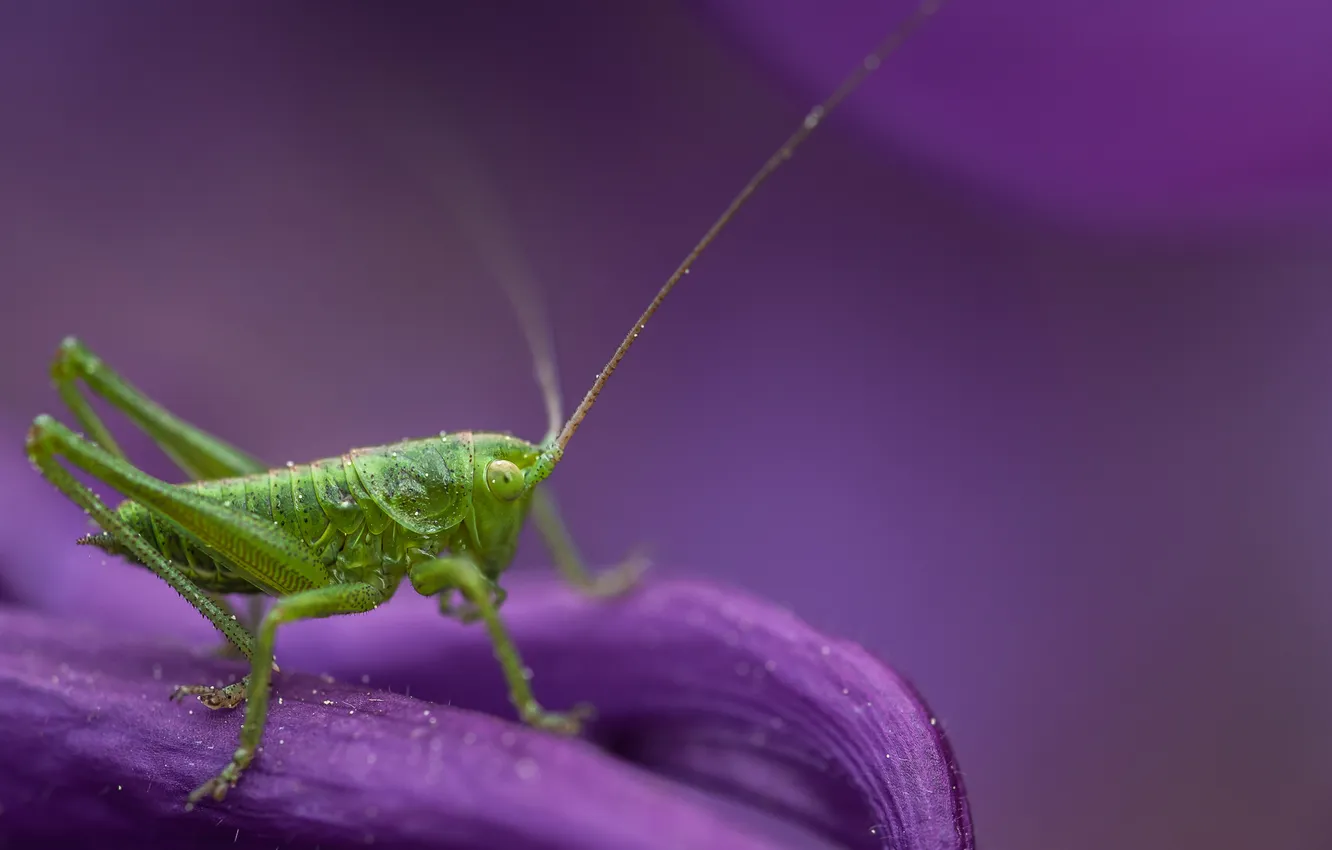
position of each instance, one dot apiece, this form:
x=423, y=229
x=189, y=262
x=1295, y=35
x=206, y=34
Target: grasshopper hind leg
x=46, y=439
x=257, y=550
x=226, y=649
x=199, y=455
x=256, y=605
x=239, y=641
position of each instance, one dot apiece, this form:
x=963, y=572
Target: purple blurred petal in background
x=1177, y=115
x=707, y=686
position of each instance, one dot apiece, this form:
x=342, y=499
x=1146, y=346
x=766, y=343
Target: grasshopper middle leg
x=308, y=605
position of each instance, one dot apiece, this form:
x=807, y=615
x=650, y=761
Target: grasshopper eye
x=504, y=480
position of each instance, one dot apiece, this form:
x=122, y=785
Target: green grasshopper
x=339, y=535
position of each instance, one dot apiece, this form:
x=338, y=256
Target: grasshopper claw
x=216, y=788
x=214, y=698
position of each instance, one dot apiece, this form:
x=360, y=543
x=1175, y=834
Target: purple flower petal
x=1190, y=113
x=709, y=687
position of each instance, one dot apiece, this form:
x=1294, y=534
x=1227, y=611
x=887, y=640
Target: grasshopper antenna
x=553, y=450
x=478, y=211
x=514, y=279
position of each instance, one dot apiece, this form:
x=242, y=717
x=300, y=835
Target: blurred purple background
x=1018, y=373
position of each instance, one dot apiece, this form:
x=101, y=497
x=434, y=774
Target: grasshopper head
x=500, y=496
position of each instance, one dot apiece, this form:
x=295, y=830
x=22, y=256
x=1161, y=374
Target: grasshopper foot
x=219, y=785
x=562, y=723
x=212, y=697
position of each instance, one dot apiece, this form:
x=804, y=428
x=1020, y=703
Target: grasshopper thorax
x=464, y=491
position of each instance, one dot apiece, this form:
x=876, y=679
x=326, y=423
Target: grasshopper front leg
x=441, y=575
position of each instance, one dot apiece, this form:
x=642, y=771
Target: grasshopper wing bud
x=423, y=485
